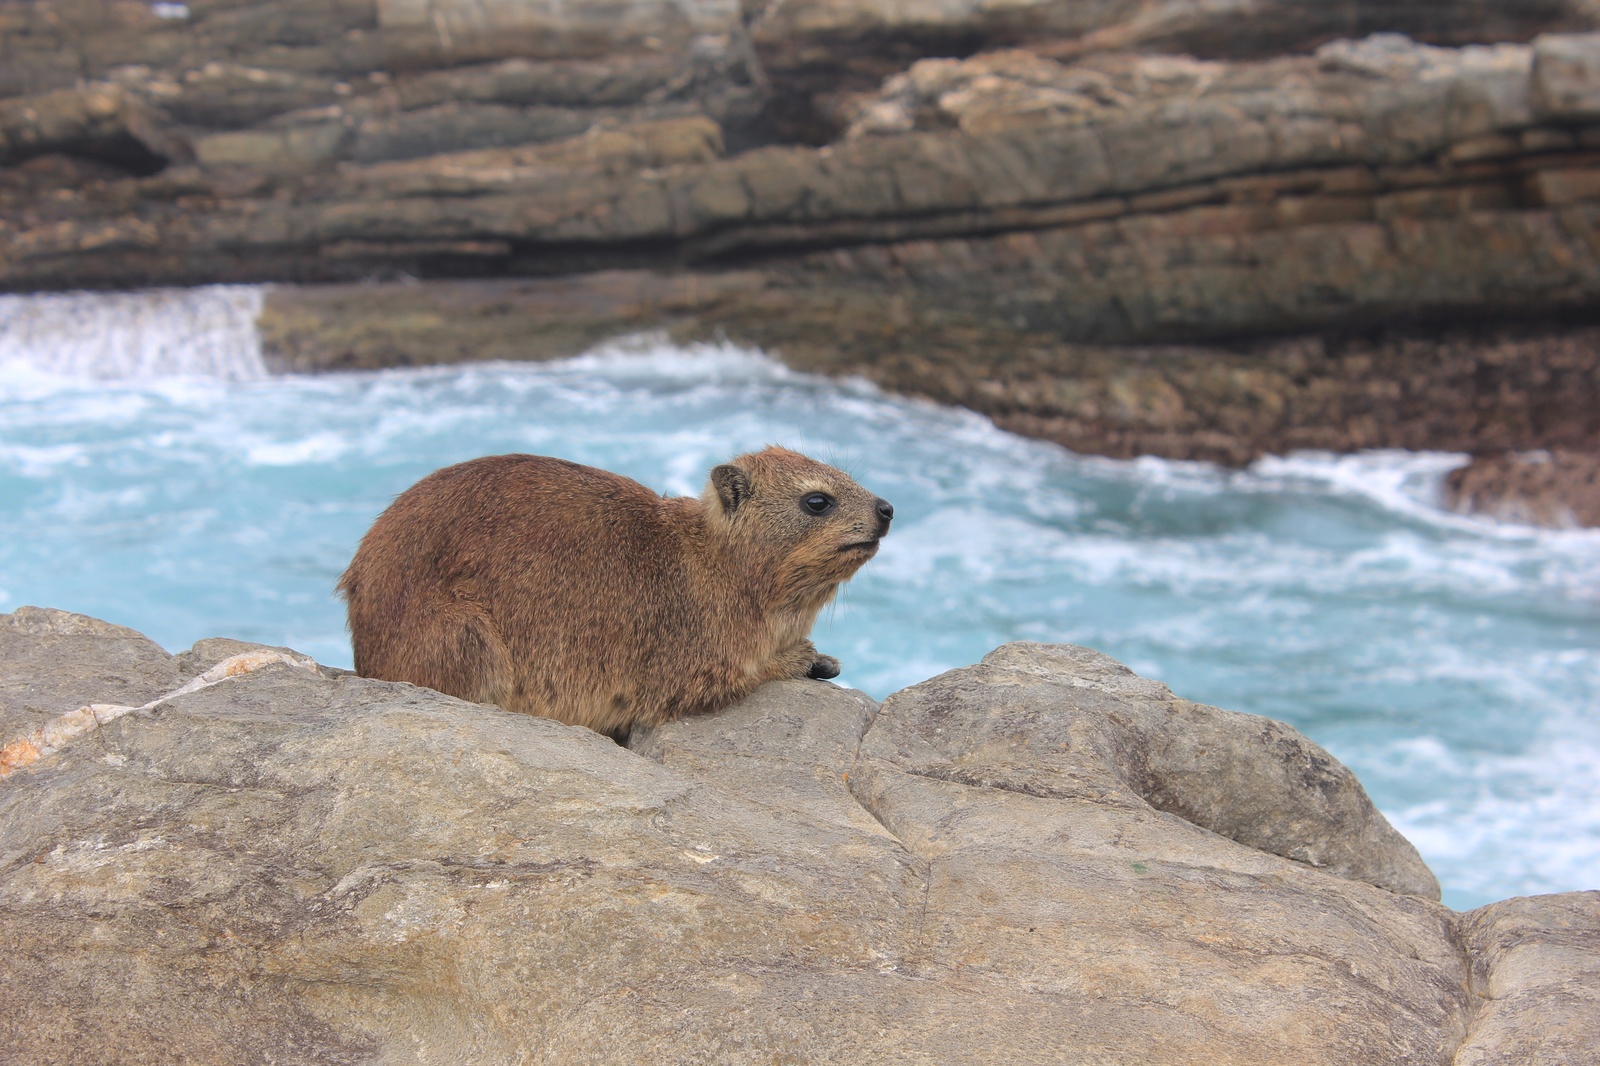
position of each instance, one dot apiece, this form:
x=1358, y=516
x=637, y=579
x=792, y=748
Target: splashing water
x=1453, y=664
x=208, y=332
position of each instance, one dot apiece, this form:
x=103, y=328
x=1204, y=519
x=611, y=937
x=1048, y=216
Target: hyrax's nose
x=885, y=513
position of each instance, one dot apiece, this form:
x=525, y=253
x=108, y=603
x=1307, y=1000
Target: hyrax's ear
x=732, y=485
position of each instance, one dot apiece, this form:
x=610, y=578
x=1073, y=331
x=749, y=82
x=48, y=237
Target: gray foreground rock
x=1042, y=858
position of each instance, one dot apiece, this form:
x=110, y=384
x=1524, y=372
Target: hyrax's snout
x=885, y=514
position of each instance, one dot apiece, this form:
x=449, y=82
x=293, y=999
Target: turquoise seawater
x=152, y=475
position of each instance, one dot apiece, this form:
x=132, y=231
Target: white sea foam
x=651, y=360
x=39, y=462
x=1531, y=819
x=314, y=448
x=1398, y=480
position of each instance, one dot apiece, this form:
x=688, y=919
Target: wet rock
x=1044, y=850
x=1557, y=488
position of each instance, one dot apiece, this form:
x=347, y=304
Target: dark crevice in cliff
x=120, y=156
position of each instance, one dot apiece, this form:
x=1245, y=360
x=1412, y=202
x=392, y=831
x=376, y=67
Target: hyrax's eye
x=818, y=503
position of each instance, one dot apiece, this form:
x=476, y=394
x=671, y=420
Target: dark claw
x=824, y=668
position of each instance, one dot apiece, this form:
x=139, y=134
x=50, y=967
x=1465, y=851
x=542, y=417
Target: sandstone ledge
x=1041, y=856
x=1123, y=199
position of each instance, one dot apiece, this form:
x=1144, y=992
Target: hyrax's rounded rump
x=561, y=590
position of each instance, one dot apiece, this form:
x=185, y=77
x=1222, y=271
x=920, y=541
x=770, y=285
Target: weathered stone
x=57, y=173
x=1015, y=160
x=1229, y=270
x=291, y=866
x=992, y=93
x=207, y=653
x=367, y=326
x=51, y=44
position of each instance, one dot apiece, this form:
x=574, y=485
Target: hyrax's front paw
x=823, y=667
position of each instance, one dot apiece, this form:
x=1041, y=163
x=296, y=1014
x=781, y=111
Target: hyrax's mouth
x=868, y=546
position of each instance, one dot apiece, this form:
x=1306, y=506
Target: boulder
x=1038, y=856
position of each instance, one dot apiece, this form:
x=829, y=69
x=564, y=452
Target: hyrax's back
x=490, y=562
x=557, y=589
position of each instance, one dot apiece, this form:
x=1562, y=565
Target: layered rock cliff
x=1037, y=858
x=1190, y=229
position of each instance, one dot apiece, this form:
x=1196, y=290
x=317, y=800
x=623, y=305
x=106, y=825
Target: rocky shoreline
x=1495, y=389
x=258, y=859
x=1174, y=229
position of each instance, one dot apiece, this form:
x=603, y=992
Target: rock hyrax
x=560, y=590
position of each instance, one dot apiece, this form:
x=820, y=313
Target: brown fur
x=565, y=591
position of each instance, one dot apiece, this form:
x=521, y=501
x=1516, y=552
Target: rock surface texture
x=1040, y=858
x=1183, y=228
